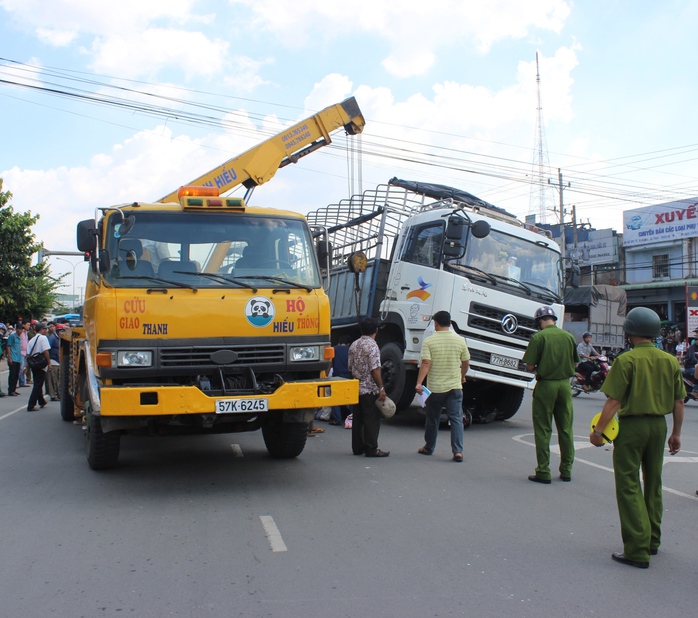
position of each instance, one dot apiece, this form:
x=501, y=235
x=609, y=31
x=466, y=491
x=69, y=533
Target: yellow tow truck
x=203, y=314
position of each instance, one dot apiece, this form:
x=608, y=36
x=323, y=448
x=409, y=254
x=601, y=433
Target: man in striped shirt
x=445, y=359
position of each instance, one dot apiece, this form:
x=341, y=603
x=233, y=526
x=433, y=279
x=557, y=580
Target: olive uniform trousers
x=639, y=445
x=552, y=399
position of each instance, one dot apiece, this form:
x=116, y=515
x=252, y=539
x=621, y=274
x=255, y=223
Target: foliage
x=26, y=290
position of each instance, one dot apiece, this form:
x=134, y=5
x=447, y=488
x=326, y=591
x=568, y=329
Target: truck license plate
x=240, y=406
x=504, y=361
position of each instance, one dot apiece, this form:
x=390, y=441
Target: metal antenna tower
x=540, y=200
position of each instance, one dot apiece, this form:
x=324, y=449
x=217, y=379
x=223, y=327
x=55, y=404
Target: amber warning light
x=192, y=191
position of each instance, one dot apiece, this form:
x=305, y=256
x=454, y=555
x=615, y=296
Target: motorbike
x=596, y=379
x=688, y=383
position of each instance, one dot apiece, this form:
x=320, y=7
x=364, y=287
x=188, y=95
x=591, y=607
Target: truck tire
x=66, y=404
x=102, y=448
x=284, y=440
x=504, y=400
x=398, y=382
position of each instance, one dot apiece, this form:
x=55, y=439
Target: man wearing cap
x=690, y=361
x=39, y=345
x=14, y=359
x=445, y=359
x=643, y=386
x=552, y=354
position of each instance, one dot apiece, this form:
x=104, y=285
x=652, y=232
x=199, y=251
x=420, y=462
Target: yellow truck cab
x=201, y=315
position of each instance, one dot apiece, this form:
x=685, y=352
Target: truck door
x=415, y=273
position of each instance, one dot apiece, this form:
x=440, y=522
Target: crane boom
x=259, y=164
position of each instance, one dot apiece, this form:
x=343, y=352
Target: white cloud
x=415, y=29
x=56, y=37
x=143, y=53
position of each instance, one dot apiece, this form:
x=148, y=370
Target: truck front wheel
x=102, y=448
x=284, y=440
x=507, y=401
x=399, y=383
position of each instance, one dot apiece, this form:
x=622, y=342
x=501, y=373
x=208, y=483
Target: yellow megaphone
x=610, y=432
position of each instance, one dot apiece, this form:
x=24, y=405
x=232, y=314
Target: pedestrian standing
x=14, y=359
x=365, y=366
x=690, y=361
x=643, y=386
x=340, y=369
x=24, y=341
x=39, y=345
x=445, y=360
x=53, y=376
x=552, y=353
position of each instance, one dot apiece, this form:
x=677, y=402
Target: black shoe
x=378, y=453
x=2, y=394
x=653, y=552
x=567, y=479
x=618, y=557
x=537, y=479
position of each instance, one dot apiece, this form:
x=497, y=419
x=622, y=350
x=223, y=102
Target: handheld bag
x=38, y=360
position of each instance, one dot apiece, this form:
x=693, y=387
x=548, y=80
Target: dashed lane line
x=273, y=534
x=582, y=445
x=13, y=412
x=237, y=451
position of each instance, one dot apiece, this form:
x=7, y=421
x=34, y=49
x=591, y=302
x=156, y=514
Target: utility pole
x=560, y=185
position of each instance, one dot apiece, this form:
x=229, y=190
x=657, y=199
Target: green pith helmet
x=642, y=322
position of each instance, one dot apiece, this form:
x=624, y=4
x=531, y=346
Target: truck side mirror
x=480, y=229
x=104, y=261
x=454, y=242
x=323, y=250
x=87, y=236
x=572, y=275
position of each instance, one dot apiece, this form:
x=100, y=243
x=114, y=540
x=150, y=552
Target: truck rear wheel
x=284, y=440
x=66, y=405
x=399, y=383
x=102, y=448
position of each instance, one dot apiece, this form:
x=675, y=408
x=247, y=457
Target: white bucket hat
x=387, y=407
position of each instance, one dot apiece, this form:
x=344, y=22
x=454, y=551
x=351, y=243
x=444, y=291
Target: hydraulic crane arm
x=259, y=164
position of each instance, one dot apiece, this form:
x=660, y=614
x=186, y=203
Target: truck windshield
x=507, y=258
x=166, y=249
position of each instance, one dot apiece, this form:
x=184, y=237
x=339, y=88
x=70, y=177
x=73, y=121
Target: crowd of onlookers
x=15, y=341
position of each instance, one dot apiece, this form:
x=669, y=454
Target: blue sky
x=448, y=80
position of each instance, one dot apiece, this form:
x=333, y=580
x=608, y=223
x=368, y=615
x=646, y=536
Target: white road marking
x=556, y=450
x=237, y=450
x=273, y=534
x=13, y=412
x=675, y=459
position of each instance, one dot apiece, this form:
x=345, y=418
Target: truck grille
x=201, y=356
x=490, y=319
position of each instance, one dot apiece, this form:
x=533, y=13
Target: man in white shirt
x=39, y=345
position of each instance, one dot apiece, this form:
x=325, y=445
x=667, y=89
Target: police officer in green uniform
x=643, y=386
x=552, y=353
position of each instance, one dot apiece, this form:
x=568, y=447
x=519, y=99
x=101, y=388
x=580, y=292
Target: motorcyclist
x=690, y=361
x=587, y=354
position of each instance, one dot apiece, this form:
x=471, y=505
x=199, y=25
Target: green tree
x=26, y=290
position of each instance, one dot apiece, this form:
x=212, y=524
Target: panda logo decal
x=259, y=311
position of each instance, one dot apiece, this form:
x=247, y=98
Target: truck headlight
x=304, y=353
x=134, y=358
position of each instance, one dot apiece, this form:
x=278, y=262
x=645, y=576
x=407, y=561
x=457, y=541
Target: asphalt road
x=211, y=526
